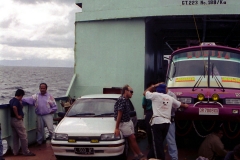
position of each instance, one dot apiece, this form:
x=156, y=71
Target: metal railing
x=30, y=121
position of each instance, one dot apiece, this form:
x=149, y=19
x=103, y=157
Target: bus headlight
x=215, y=97
x=200, y=97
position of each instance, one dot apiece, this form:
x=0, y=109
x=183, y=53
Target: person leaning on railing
x=1, y=146
x=19, y=132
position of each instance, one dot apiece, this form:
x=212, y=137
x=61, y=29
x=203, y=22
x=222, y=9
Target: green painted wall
x=110, y=54
x=110, y=39
x=113, y=9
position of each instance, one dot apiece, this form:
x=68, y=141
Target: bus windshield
x=207, y=67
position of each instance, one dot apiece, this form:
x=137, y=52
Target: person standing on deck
x=147, y=106
x=1, y=145
x=18, y=129
x=233, y=155
x=172, y=146
x=45, y=106
x=162, y=105
x=212, y=146
x=124, y=122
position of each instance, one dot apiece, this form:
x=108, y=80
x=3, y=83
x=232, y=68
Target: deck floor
x=45, y=152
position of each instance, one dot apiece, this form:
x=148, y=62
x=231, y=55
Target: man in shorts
x=124, y=123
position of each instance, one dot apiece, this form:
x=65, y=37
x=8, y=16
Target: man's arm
x=185, y=105
x=177, y=104
x=119, y=117
x=15, y=110
x=28, y=100
x=151, y=88
x=53, y=104
x=218, y=148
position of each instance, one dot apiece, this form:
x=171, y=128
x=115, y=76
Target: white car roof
x=101, y=96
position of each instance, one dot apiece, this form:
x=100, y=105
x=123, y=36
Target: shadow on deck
x=45, y=152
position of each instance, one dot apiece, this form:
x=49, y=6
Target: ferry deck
x=45, y=152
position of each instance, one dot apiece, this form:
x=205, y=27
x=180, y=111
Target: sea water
x=29, y=78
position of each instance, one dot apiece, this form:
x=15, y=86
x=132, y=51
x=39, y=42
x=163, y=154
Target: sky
x=37, y=31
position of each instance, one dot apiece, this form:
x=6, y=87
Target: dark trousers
x=148, y=116
x=159, y=133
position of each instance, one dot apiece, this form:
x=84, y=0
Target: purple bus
x=207, y=77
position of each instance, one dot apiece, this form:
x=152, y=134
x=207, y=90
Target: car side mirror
x=132, y=113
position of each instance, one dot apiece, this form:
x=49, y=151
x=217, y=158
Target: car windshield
x=90, y=107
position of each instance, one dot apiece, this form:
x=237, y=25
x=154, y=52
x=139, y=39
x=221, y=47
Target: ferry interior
x=166, y=34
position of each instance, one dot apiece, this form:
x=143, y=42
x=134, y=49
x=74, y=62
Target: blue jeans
x=1, y=146
x=172, y=147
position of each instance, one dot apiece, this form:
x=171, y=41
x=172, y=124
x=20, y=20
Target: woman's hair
x=125, y=88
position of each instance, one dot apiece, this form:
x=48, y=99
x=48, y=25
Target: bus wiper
x=216, y=79
x=199, y=80
x=104, y=114
x=82, y=114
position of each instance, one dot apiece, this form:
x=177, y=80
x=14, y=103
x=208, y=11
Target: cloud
x=20, y=53
x=43, y=29
x=45, y=1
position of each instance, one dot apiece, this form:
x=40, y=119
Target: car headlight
x=60, y=136
x=185, y=100
x=200, y=97
x=109, y=137
x=215, y=97
x=232, y=101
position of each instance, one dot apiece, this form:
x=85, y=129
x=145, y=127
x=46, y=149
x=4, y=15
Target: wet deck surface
x=45, y=152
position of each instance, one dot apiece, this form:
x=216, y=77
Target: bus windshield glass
x=206, y=68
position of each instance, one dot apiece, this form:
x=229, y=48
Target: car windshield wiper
x=104, y=114
x=216, y=79
x=82, y=114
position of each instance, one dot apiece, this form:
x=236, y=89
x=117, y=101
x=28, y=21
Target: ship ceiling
x=183, y=31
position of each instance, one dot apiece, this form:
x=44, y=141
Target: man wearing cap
x=162, y=105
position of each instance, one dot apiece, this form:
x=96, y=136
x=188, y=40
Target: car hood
x=86, y=126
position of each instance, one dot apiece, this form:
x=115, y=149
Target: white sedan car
x=87, y=130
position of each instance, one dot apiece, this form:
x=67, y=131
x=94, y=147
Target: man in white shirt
x=162, y=105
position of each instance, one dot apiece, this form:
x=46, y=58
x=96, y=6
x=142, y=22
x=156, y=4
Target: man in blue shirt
x=18, y=128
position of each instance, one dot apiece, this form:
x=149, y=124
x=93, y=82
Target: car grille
x=83, y=138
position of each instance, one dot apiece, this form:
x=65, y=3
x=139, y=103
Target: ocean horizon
x=28, y=78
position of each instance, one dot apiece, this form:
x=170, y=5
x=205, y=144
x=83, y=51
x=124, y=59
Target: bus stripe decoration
x=185, y=79
x=230, y=79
